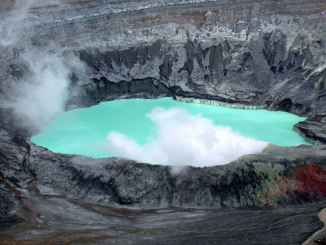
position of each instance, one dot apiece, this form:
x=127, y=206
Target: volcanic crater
x=244, y=53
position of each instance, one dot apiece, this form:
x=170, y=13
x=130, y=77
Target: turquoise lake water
x=84, y=131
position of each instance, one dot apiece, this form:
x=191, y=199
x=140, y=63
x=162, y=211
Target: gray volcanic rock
x=71, y=221
x=275, y=176
x=313, y=129
x=269, y=54
x=72, y=198
x=226, y=70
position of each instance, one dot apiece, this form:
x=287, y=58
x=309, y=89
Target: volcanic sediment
x=265, y=54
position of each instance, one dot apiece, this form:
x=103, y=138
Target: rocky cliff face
x=269, y=54
x=253, y=180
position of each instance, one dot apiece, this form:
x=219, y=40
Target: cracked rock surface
x=266, y=54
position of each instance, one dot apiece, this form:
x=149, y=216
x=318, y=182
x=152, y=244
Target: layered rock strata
x=262, y=54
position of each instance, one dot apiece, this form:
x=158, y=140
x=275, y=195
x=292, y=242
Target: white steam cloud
x=43, y=92
x=184, y=139
x=17, y=25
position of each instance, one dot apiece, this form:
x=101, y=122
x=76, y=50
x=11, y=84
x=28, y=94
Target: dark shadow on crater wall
x=266, y=53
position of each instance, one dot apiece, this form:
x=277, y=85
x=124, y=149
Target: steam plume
x=44, y=91
x=184, y=139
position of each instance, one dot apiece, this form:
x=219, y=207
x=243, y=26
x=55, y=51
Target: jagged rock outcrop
x=265, y=53
x=71, y=197
x=313, y=129
x=268, y=54
x=295, y=176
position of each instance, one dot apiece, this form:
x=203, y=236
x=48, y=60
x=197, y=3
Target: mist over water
x=156, y=131
x=169, y=132
x=40, y=91
x=44, y=92
x=184, y=139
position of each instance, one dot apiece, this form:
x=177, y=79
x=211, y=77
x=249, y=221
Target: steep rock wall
x=263, y=53
x=256, y=180
x=266, y=53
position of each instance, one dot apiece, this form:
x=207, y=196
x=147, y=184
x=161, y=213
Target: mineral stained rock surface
x=244, y=53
